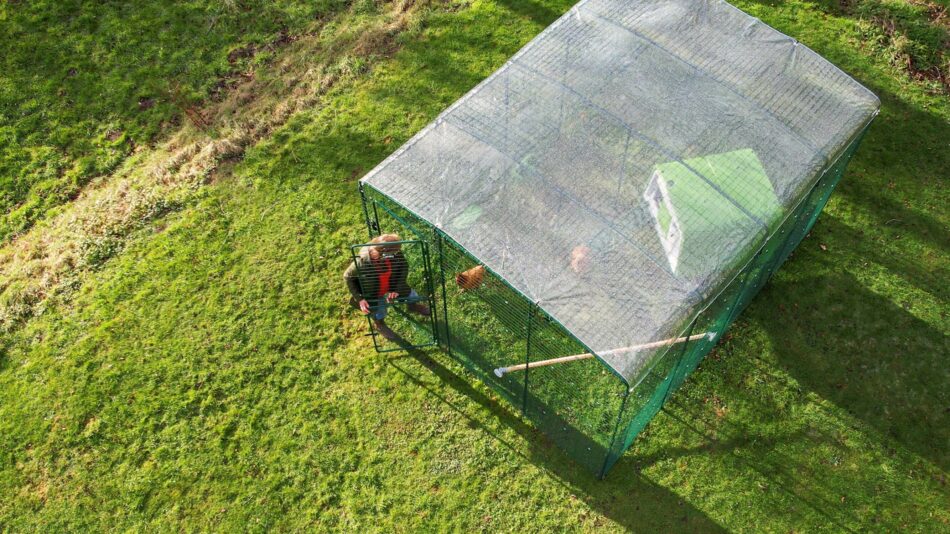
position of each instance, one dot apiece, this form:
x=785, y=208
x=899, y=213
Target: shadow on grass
x=894, y=223
x=536, y=11
x=758, y=453
x=869, y=356
x=843, y=332
x=816, y=486
x=866, y=353
x=904, y=151
x=631, y=500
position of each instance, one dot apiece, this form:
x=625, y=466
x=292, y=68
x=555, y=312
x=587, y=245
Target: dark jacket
x=362, y=278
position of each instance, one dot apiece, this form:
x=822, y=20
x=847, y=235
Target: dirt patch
x=249, y=51
x=241, y=53
x=379, y=42
x=239, y=77
x=914, y=36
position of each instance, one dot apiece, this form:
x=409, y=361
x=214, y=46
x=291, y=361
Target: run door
x=401, y=316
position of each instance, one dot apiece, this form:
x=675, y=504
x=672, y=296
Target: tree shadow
x=627, y=499
x=867, y=355
x=867, y=248
x=779, y=453
x=894, y=173
x=802, y=463
x=752, y=452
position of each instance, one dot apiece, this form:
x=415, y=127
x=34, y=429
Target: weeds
x=74, y=70
x=914, y=36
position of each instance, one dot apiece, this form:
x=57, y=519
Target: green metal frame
x=430, y=298
x=675, y=362
x=371, y=207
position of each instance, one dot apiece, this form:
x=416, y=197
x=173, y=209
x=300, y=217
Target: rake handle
x=501, y=371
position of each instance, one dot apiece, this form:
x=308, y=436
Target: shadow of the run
x=627, y=498
x=782, y=458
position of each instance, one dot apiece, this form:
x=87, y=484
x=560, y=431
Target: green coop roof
x=697, y=201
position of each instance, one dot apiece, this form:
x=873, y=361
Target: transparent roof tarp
x=623, y=166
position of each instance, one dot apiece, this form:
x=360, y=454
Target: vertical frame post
x=369, y=319
x=430, y=290
x=370, y=226
x=445, y=300
x=680, y=365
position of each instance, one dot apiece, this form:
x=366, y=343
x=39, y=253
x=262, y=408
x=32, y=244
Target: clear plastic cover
x=629, y=161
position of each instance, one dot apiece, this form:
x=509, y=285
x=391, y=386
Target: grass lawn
x=209, y=374
x=84, y=84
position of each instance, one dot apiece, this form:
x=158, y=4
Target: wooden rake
x=502, y=371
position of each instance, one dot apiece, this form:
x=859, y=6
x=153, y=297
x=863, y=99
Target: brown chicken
x=580, y=258
x=471, y=278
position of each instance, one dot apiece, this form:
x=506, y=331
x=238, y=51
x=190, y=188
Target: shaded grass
x=82, y=84
x=47, y=262
x=212, y=376
x=913, y=35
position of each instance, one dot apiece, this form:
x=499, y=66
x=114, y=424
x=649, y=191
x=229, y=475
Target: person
x=378, y=276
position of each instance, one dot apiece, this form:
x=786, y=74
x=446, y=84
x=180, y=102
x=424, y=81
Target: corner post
x=445, y=305
x=371, y=226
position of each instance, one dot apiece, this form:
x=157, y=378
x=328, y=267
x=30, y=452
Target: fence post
x=679, y=367
x=445, y=306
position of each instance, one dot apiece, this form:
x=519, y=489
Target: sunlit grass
x=212, y=376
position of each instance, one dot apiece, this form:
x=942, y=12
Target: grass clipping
x=50, y=259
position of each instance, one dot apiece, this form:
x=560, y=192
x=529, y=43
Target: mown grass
x=211, y=376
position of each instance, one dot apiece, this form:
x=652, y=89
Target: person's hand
x=364, y=307
x=391, y=296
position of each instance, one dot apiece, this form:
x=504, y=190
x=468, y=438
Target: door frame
x=428, y=298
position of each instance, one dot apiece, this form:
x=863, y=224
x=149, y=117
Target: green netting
x=671, y=371
x=583, y=406
x=599, y=210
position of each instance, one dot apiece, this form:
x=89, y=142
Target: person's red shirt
x=384, y=278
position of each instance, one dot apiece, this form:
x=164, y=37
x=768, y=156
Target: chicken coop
x=588, y=221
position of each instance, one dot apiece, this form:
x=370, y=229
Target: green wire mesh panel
x=486, y=325
x=670, y=371
x=575, y=403
x=582, y=405
x=412, y=329
x=487, y=322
